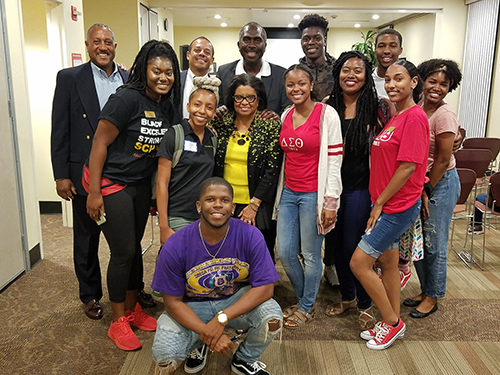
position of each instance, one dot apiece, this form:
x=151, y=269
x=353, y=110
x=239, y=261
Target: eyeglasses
x=250, y=98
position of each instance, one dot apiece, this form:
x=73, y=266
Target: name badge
x=150, y=114
x=190, y=146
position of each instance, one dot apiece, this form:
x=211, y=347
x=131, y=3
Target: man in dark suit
x=80, y=94
x=200, y=56
x=252, y=45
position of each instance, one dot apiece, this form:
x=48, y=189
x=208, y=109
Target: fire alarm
x=75, y=13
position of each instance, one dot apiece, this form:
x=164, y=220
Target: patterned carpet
x=44, y=329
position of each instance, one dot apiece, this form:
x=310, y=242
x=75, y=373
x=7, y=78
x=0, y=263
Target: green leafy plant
x=367, y=46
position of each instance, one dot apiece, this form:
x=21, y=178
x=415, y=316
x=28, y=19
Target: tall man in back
x=388, y=48
x=200, y=56
x=313, y=29
x=80, y=94
x=252, y=45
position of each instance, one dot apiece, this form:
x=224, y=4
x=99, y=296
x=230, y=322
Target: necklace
x=203, y=241
x=241, y=138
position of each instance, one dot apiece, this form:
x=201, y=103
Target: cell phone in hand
x=101, y=220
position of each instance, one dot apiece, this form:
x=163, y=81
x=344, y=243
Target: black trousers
x=126, y=218
x=85, y=251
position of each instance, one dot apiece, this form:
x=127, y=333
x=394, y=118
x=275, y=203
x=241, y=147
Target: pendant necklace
x=241, y=138
x=203, y=241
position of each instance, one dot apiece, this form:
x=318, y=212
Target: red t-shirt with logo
x=301, y=147
x=404, y=138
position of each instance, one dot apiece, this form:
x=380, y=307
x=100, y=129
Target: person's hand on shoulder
x=268, y=114
x=219, y=113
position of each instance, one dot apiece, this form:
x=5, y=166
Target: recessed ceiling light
x=223, y=24
x=357, y=25
x=296, y=17
x=217, y=16
x=290, y=25
x=402, y=11
x=375, y=16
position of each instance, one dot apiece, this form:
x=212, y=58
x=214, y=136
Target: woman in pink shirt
x=309, y=189
x=398, y=166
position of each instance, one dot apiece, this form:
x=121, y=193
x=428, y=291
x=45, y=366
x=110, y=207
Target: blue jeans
x=173, y=342
x=352, y=217
x=432, y=269
x=297, y=228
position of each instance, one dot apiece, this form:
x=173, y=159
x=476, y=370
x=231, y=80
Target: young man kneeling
x=213, y=273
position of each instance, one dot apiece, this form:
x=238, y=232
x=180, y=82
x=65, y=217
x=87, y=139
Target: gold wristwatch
x=222, y=318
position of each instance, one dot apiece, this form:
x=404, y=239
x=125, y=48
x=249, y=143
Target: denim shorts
x=388, y=228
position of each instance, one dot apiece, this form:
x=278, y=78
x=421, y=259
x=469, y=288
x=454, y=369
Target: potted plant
x=367, y=46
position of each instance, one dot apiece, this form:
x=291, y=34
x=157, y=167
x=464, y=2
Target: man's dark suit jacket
x=274, y=83
x=183, y=84
x=75, y=113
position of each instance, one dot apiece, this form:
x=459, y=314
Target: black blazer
x=275, y=86
x=75, y=114
x=263, y=161
x=183, y=84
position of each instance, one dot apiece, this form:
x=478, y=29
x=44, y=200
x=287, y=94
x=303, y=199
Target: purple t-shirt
x=184, y=267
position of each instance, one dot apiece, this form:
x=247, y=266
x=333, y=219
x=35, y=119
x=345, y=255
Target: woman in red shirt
x=398, y=166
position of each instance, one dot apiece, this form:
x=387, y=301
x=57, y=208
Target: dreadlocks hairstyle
x=448, y=67
x=413, y=72
x=366, y=104
x=316, y=20
x=138, y=76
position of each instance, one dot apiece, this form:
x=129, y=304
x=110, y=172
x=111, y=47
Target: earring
x=199, y=212
x=232, y=213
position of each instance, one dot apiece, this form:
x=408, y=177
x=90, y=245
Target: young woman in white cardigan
x=309, y=189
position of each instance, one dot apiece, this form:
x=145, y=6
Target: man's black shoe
x=196, y=360
x=145, y=300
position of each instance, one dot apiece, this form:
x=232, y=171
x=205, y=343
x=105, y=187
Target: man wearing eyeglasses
x=252, y=45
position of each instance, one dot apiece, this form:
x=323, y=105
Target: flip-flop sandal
x=298, y=319
x=288, y=312
x=366, y=319
x=339, y=308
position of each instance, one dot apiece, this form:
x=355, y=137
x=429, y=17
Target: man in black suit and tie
x=81, y=92
x=200, y=56
x=252, y=45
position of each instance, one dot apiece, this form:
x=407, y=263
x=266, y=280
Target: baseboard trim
x=35, y=255
x=50, y=207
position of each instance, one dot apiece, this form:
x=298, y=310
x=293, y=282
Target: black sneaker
x=196, y=360
x=245, y=368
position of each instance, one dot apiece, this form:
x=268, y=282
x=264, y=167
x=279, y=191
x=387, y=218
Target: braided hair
x=137, y=79
x=366, y=104
x=206, y=83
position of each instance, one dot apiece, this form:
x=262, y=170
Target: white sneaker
x=330, y=274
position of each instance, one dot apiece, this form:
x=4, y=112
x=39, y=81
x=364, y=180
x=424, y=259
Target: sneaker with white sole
x=478, y=229
x=370, y=333
x=331, y=277
x=404, y=275
x=244, y=368
x=196, y=360
x=386, y=335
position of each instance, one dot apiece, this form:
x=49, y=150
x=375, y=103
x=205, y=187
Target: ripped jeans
x=432, y=269
x=173, y=342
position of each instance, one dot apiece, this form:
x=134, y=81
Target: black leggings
x=126, y=217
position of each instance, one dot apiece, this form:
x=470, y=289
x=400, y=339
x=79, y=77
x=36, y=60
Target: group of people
x=257, y=156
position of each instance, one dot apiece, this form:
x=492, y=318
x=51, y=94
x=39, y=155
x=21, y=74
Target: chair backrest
x=472, y=158
x=467, y=181
x=495, y=187
x=492, y=144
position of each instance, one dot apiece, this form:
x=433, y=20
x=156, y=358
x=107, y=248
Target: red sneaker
x=121, y=333
x=141, y=319
x=386, y=335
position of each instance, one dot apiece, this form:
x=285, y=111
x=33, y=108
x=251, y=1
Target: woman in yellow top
x=249, y=155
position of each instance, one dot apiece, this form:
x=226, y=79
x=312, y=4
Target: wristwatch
x=222, y=318
x=254, y=202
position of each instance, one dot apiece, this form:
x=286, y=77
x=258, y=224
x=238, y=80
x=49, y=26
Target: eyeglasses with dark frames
x=250, y=98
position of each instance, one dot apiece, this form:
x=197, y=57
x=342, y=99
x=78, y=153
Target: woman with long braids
x=122, y=160
x=398, y=165
x=362, y=116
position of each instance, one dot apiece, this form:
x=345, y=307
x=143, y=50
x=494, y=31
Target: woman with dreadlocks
x=362, y=115
x=118, y=175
